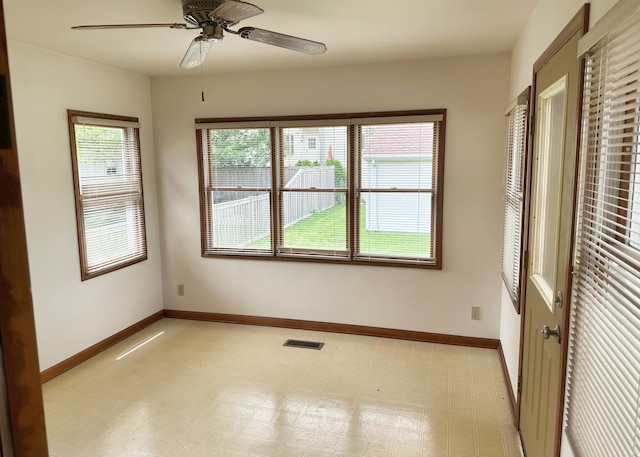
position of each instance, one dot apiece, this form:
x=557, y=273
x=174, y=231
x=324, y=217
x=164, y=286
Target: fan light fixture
x=197, y=52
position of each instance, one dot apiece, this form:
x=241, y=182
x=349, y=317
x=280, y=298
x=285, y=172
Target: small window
x=107, y=177
x=516, y=143
x=311, y=144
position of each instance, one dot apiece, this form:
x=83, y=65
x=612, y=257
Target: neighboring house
x=398, y=158
x=97, y=170
x=315, y=144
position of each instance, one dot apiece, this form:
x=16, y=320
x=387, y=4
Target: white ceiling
x=355, y=31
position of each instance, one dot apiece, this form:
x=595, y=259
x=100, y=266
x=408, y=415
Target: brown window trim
x=84, y=273
x=352, y=256
x=524, y=99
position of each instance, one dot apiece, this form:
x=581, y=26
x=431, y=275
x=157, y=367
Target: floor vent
x=303, y=344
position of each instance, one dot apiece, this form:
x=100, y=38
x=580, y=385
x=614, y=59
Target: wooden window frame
x=352, y=122
x=278, y=155
x=524, y=99
x=85, y=274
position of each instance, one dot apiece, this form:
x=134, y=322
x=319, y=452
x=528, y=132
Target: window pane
x=240, y=220
x=396, y=224
x=240, y=158
x=99, y=152
x=315, y=157
x=511, y=244
x=397, y=156
x=314, y=220
x=112, y=230
x=547, y=193
x=108, y=160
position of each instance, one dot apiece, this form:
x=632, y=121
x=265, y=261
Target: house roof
x=404, y=140
x=355, y=31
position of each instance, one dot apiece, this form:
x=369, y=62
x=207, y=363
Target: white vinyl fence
x=239, y=223
x=299, y=205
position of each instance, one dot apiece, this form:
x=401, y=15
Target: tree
x=241, y=147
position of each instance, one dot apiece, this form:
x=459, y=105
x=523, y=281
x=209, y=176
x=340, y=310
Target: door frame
x=17, y=327
x=578, y=24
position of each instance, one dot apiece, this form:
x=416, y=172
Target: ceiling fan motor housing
x=198, y=12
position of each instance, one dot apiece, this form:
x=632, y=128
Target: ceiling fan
x=214, y=17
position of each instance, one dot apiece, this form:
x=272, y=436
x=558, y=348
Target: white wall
x=545, y=23
x=475, y=92
x=72, y=315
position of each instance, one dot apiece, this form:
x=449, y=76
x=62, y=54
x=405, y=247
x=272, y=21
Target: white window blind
x=516, y=141
x=603, y=409
x=108, y=187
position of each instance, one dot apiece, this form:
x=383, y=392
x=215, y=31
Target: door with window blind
x=556, y=98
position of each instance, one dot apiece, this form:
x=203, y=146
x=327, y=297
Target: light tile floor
x=206, y=389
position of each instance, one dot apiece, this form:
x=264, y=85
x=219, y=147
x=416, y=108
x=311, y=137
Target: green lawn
x=327, y=230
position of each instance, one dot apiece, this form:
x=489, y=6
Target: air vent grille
x=303, y=344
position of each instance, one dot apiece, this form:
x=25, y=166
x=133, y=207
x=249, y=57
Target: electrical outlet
x=181, y=290
x=475, y=313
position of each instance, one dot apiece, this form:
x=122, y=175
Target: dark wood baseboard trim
x=487, y=343
x=512, y=398
x=80, y=357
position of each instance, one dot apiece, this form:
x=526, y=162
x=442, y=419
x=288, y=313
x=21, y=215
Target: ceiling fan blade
x=282, y=40
x=128, y=26
x=197, y=52
x=234, y=11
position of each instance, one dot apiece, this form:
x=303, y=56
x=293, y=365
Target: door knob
x=547, y=332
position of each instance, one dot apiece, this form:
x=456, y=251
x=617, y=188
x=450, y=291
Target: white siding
x=397, y=213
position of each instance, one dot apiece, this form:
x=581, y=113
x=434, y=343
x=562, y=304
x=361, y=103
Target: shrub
x=307, y=163
x=341, y=176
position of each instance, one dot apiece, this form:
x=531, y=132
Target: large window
x=516, y=143
x=603, y=415
x=363, y=188
x=107, y=177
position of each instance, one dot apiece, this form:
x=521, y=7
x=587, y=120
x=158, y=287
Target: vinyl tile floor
x=198, y=389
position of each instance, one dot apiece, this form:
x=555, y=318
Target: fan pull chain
x=202, y=79
x=201, y=83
